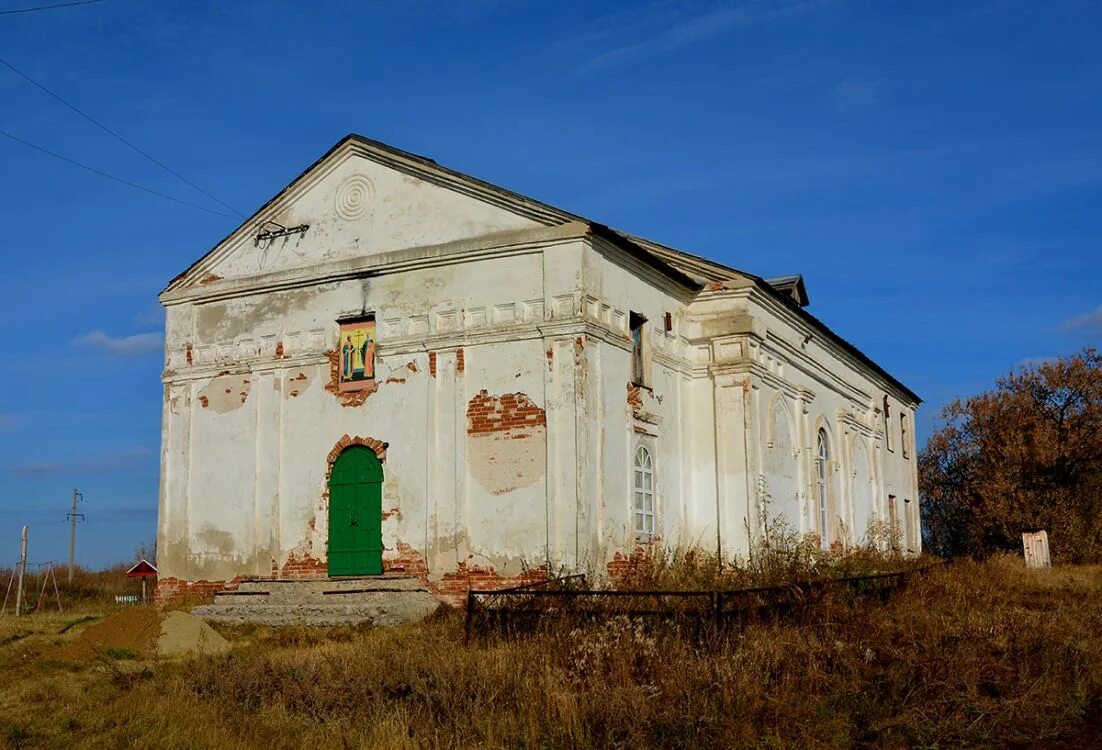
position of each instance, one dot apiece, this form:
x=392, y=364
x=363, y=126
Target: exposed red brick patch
x=412, y=366
x=716, y=286
x=204, y=401
x=300, y=376
x=279, y=350
x=432, y=364
x=459, y=363
x=395, y=380
x=303, y=567
x=392, y=513
x=550, y=359
x=452, y=588
x=210, y=279
x=635, y=398
x=489, y=414
x=408, y=561
x=622, y=569
x=346, y=398
x=189, y=352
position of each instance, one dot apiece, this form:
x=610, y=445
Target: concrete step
x=376, y=600
x=387, y=611
x=316, y=591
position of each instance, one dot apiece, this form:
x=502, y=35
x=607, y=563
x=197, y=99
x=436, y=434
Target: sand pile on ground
x=184, y=633
x=144, y=632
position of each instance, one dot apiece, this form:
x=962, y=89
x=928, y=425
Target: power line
x=48, y=7
x=93, y=170
x=118, y=137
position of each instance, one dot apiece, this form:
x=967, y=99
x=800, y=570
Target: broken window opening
x=888, y=425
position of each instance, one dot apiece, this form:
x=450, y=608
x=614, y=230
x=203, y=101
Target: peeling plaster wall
x=249, y=422
x=503, y=393
x=504, y=503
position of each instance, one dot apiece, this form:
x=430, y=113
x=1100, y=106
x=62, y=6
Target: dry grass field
x=971, y=655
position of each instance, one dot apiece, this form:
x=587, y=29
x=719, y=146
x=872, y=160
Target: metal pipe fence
x=523, y=609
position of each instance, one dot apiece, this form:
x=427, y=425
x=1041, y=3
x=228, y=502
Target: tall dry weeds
x=977, y=655
x=973, y=655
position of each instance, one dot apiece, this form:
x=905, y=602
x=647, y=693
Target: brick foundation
x=170, y=588
x=623, y=568
x=451, y=589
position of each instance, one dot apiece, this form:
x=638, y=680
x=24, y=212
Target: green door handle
x=353, y=521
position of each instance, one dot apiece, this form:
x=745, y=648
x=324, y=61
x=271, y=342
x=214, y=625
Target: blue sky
x=933, y=169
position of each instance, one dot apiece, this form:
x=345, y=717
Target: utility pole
x=22, y=571
x=73, y=516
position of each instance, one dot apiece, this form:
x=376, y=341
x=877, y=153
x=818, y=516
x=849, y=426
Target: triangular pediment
x=360, y=199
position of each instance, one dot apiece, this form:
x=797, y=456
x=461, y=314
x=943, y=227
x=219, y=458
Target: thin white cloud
x=152, y=315
x=663, y=29
x=1030, y=362
x=857, y=92
x=126, y=346
x=103, y=463
x=1089, y=322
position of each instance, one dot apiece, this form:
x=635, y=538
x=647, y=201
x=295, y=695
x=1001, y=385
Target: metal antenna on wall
x=73, y=516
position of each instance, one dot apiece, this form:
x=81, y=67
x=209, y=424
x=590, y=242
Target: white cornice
x=395, y=261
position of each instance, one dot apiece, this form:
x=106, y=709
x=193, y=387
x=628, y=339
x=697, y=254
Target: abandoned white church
x=393, y=367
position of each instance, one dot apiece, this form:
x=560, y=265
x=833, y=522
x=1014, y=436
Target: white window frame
x=822, y=474
x=643, y=506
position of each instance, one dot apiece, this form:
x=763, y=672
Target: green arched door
x=356, y=514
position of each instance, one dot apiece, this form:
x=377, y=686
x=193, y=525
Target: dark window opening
x=888, y=425
x=638, y=340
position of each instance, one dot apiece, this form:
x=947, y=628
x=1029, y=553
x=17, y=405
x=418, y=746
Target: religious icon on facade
x=357, y=353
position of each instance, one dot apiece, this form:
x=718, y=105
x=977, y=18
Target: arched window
x=644, y=492
x=822, y=456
